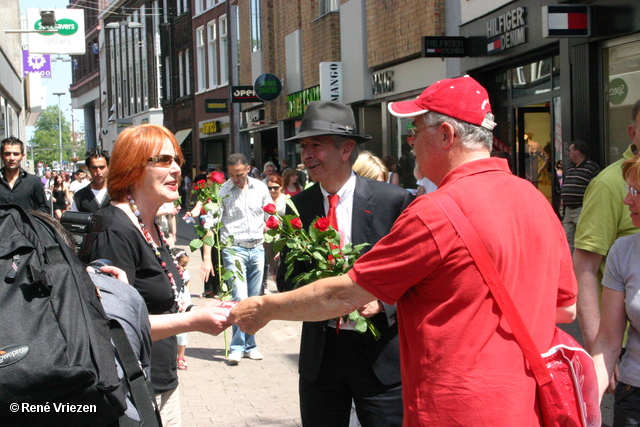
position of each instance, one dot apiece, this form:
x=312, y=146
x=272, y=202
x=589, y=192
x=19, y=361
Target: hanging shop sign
x=565, y=21
x=506, y=30
x=243, y=94
x=444, y=47
x=69, y=37
x=331, y=81
x=36, y=63
x=217, y=105
x=297, y=102
x=267, y=87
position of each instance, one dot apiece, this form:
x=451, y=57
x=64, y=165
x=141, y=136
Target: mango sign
x=66, y=27
x=69, y=39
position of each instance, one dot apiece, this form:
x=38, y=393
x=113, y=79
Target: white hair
x=471, y=136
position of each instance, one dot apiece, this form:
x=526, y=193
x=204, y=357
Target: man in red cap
x=460, y=363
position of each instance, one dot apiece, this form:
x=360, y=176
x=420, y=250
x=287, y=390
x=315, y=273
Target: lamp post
x=59, y=94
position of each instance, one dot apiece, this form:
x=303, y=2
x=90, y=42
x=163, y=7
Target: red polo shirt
x=460, y=363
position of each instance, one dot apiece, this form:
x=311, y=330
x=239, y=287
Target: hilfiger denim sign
x=565, y=21
x=506, y=30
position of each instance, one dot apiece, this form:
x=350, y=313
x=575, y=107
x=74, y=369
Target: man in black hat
x=338, y=368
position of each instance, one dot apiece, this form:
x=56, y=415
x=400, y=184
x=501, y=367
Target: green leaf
x=278, y=246
x=292, y=206
x=208, y=241
x=227, y=275
x=195, y=244
x=200, y=230
x=361, y=325
x=354, y=315
x=211, y=207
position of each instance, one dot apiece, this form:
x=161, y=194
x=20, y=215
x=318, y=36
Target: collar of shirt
x=344, y=209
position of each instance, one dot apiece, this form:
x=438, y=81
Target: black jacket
x=376, y=205
x=27, y=192
x=86, y=201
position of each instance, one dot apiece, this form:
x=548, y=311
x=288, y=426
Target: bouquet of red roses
x=320, y=246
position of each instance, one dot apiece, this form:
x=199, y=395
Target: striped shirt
x=242, y=213
x=576, y=181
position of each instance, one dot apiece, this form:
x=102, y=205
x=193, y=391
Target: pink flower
x=270, y=209
x=296, y=223
x=321, y=224
x=217, y=177
x=273, y=223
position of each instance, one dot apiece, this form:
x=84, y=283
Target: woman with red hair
x=144, y=173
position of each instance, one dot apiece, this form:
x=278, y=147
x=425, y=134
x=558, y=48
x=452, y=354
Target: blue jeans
x=252, y=263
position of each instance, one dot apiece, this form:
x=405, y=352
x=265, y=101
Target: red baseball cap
x=462, y=98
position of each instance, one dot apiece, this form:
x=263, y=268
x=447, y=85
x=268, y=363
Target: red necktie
x=332, y=216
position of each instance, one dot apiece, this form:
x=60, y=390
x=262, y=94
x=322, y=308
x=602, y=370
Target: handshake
x=218, y=315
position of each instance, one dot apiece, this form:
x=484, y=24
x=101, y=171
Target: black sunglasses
x=273, y=188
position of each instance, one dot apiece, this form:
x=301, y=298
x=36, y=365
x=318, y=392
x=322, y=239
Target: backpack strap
x=492, y=278
x=142, y=393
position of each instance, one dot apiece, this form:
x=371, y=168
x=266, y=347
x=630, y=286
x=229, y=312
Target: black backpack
x=57, y=364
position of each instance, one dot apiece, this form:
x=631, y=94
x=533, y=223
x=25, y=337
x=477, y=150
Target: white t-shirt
x=428, y=185
x=77, y=185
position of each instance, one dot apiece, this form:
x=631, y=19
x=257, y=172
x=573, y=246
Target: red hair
x=130, y=156
x=276, y=179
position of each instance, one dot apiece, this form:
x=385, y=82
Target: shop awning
x=181, y=135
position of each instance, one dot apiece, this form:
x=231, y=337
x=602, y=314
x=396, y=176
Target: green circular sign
x=267, y=87
x=618, y=91
x=65, y=26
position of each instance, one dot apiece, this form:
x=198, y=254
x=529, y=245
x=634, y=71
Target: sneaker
x=254, y=354
x=234, y=358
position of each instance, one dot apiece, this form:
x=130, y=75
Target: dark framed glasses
x=165, y=160
x=273, y=188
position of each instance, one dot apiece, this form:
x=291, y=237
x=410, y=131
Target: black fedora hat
x=328, y=118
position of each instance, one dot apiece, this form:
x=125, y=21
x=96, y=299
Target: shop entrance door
x=535, y=154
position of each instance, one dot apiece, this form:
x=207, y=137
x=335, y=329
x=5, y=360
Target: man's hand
x=371, y=309
x=206, y=269
x=248, y=315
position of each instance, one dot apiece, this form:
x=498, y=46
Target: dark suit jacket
x=86, y=200
x=376, y=205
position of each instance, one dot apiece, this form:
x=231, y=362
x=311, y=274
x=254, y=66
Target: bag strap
x=491, y=276
x=141, y=393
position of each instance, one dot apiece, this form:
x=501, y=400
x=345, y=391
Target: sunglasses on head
x=165, y=160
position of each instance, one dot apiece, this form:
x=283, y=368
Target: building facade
x=12, y=100
x=549, y=85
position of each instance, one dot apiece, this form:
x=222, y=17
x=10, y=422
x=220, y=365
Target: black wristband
x=189, y=308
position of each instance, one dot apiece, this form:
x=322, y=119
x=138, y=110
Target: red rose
x=273, y=223
x=270, y=209
x=217, y=177
x=322, y=224
x=202, y=182
x=296, y=223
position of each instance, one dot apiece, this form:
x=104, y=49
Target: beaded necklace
x=154, y=248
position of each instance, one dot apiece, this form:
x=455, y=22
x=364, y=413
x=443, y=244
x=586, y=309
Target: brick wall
x=395, y=28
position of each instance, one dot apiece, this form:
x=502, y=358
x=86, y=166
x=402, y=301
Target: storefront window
x=622, y=69
x=531, y=79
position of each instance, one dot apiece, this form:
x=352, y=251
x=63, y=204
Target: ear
x=632, y=131
x=347, y=149
x=448, y=135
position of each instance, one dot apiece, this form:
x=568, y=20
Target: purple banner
x=36, y=63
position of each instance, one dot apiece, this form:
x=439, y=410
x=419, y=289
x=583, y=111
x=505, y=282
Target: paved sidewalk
x=253, y=393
